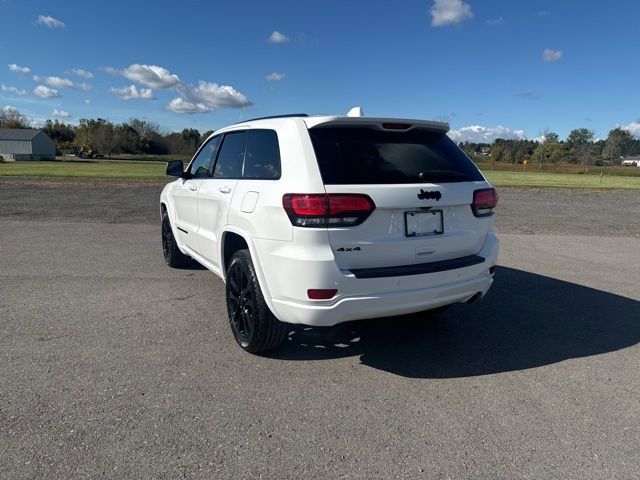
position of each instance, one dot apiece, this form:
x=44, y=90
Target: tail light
x=327, y=209
x=484, y=201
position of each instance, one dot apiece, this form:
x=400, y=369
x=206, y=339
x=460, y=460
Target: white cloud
x=50, y=22
x=480, y=134
x=494, y=22
x=550, y=55
x=18, y=69
x=206, y=97
x=133, y=93
x=149, y=75
x=180, y=105
x=277, y=37
x=60, y=113
x=14, y=90
x=9, y=110
x=633, y=128
x=58, y=82
x=87, y=101
x=448, y=12
x=275, y=77
x=82, y=73
x=45, y=92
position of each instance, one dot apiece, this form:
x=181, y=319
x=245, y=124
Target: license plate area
x=422, y=223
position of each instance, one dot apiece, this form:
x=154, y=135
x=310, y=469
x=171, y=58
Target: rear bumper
x=290, y=275
x=381, y=305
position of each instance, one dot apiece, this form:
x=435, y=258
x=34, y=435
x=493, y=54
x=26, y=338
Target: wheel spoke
x=240, y=301
x=233, y=282
x=249, y=320
x=233, y=296
x=243, y=323
x=235, y=318
x=246, y=323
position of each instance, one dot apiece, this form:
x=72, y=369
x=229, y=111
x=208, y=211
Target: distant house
x=26, y=144
x=631, y=162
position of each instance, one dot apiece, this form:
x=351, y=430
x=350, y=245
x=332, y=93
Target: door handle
x=225, y=189
x=193, y=188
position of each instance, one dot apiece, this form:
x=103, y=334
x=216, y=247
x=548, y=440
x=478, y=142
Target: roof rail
x=274, y=116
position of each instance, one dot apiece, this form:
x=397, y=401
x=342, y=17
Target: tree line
x=102, y=136
x=133, y=137
x=144, y=137
x=580, y=147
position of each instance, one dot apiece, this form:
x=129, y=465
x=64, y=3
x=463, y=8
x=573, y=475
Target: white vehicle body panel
x=290, y=260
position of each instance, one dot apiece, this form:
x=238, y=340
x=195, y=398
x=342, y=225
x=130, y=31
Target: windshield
x=360, y=155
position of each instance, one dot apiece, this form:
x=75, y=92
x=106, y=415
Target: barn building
x=26, y=144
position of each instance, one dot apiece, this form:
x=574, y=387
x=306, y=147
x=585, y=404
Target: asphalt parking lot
x=115, y=366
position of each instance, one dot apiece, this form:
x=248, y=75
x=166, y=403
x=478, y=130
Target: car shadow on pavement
x=525, y=321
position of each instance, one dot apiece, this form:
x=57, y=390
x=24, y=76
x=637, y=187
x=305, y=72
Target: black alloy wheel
x=253, y=325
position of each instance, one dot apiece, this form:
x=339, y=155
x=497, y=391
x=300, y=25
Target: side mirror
x=175, y=168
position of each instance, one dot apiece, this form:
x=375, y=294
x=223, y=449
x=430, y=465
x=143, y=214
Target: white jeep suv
x=318, y=220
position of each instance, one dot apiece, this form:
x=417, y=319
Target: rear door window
x=262, y=158
x=231, y=156
x=360, y=155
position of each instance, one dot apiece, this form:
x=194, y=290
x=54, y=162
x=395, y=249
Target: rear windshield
x=348, y=155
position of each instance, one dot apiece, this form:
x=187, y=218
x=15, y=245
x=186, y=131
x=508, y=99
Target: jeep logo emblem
x=428, y=195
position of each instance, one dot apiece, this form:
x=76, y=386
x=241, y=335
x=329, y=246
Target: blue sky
x=489, y=67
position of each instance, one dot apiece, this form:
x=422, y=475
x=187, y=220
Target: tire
x=172, y=254
x=253, y=325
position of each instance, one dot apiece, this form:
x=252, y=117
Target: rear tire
x=172, y=254
x=253, y=325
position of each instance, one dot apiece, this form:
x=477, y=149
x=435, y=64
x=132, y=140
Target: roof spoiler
x=380, y=123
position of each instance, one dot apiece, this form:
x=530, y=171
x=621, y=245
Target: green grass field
x=139, y=171
x=568, y=180
x=156, y=170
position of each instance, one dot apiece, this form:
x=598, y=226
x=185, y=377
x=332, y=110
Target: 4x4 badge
x=427, y=195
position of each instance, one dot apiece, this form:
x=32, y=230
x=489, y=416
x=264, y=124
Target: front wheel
x=172, y=254
x=254, y=327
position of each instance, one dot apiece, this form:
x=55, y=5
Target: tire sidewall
x=168, y=253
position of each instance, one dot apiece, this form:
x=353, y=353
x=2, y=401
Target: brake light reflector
x=396, y=126
x=484, y=201
x=327, y=210
x=321, y=293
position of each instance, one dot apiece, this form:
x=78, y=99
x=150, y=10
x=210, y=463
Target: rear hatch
x=421, y=183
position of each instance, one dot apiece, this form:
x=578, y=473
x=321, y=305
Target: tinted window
x=262, y=158
x=201, y=165
x=229, y=164
x=368, y=156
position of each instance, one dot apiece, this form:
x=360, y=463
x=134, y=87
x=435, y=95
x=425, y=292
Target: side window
x=229, y=164
x=262, y=159
x=201, y=165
